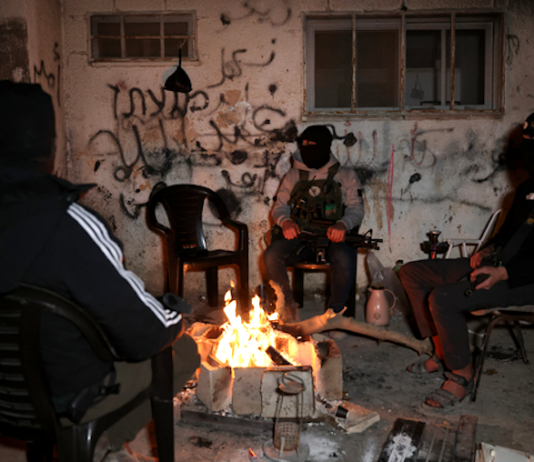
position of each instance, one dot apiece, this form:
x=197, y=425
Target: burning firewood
x=336, y=321
x=277, y=358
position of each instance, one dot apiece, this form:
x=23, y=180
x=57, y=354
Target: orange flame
x=244, y=344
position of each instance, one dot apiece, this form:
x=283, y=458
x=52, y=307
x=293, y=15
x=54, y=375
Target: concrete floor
x=374, y=377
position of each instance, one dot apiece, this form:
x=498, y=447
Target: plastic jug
x=377, y=308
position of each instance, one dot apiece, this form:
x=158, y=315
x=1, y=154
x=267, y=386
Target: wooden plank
x=464, y=445
x=227, y=423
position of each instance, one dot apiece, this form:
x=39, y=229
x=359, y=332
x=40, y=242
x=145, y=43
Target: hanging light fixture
x=178, y=81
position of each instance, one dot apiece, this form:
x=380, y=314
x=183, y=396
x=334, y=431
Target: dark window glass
x=422, y=86
x=142, y=48
x=470, y=67
x=140, y=26
x=377, y=68
x=106, y=48
x=172, y=46
x=106, y=25
x=333, y=69
x=176, y=28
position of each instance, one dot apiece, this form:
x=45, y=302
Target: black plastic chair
x=26, y=409
x=511, y=315
x=186, y=244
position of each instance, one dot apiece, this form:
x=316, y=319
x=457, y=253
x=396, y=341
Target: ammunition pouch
x=313, y=201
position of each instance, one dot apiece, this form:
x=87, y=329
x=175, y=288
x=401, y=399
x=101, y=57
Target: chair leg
x=212, y=286
x=519, y=339
x=243, y=286
x=77, y=442
x=480, y=363
x=179, y=279
x=162, y=408
x=351, y=302
x=298, y=286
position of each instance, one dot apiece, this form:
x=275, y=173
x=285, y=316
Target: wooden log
x=336, y=321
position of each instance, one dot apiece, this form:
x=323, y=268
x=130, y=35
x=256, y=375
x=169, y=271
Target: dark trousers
x=135, y=377
x=436, y=289
x=342, y=258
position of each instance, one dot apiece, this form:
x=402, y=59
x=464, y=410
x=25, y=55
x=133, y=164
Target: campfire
x=254, y=343
x=242, y=362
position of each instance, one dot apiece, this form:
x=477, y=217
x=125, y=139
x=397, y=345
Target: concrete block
x=246, y=390
x=214, y=387
x=206, y=336
x=330, y=374
x=139, y=5
x=79, y=7
x=447, y=4
x=364, y=5
x=270, y=393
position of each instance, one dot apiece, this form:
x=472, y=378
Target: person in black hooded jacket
x=49, y=240
x=441, y=292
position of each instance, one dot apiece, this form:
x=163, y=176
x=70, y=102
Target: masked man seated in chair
x=443, y=291
x=316, y=190
x=49, y=240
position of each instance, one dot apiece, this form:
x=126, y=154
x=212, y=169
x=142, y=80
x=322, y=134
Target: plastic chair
x=511, y=314
x=300, y=268
x=26, y=409
x=463, y=243
x=186, y=244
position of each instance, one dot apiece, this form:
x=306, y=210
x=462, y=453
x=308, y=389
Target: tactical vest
x=314, y=203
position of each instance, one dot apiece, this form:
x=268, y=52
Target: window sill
x=405, y=115
x=151, y=62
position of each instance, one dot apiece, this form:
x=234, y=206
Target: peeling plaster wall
x=44, y=18
x=233, y=132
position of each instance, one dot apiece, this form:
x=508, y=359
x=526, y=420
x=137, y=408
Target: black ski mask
x=527, y=145
x=315, y=155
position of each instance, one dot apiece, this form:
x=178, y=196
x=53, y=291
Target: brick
x=246, y=390
x=330, y=374
x=214, y=387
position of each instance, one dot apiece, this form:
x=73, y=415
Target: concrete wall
x=230, y=133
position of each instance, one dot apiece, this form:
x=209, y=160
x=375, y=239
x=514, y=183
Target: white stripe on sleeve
x=111, y=250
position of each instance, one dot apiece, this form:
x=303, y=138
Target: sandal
x=447, y=400
x=418, y=369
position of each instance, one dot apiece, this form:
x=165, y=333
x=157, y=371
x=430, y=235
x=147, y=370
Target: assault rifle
x=319, y=242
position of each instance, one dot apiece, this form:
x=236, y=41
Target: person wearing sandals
x=442, y=291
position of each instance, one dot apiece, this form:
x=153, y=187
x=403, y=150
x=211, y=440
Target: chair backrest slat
x=184, y=205
x=25, y=402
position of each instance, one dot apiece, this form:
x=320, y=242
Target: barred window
x=135, y=37
x=408, y=63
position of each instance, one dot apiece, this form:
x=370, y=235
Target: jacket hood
x=31, y=205
x=298, y=164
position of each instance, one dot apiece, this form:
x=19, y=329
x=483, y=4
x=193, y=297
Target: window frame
x=188, y=15
x=494, y=78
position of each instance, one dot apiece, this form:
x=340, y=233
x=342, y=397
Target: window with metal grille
x=135, y=37
x=406, y=63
